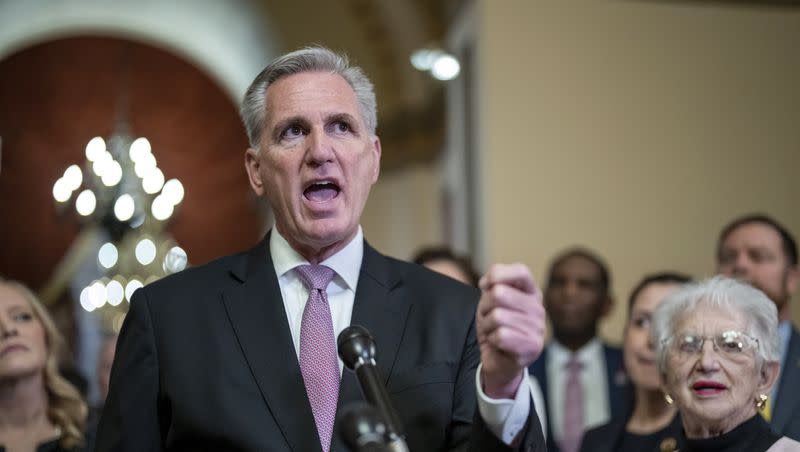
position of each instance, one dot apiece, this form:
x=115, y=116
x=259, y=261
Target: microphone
x=357, y=350
x=362, y=429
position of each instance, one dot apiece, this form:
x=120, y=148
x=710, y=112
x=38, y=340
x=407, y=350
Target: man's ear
x=792, y=279
x=769, y=375
x=376, y=150
x=252, y=164
x=608, y=304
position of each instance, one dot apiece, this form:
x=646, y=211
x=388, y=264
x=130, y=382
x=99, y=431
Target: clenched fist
x=510, y=325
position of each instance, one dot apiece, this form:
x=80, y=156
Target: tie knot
x=574, y=364
x=315, y=276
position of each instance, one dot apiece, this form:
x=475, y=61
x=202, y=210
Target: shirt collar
x=585, y=354
x=346, y=262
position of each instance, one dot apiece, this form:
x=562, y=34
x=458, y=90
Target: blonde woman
x=39, y=410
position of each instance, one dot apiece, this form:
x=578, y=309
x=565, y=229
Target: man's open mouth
x=321, y=191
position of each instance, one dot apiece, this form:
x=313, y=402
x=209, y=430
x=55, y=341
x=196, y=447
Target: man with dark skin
x=576, y=298
x=757, y=249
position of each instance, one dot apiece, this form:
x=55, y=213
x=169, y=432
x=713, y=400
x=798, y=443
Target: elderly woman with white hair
x=717, y=350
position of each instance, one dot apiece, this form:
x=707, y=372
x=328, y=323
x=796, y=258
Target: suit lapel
x=380, y=307
x=788, y=397
x=255, y=309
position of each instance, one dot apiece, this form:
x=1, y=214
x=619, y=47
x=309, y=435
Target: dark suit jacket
x=786, y=406
x=205, y=361
x=618, y=393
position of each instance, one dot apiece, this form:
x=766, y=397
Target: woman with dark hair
x=652, y=424
x=39, y=410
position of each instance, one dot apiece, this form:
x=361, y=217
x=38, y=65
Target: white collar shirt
x=341, y=290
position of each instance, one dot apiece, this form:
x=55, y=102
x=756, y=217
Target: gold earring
x=761, y=401
x=668, y=398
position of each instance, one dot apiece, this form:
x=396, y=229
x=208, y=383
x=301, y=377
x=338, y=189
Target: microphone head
x=361, y=427
x=354, y=344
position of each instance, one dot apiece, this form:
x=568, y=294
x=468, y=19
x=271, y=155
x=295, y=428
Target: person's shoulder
x=785, y=444
x=195, y=284
x=208, y=273
x=605, y=434
x=612, y=349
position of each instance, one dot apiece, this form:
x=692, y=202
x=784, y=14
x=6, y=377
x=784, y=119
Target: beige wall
x=402, y=213
x=635, y=128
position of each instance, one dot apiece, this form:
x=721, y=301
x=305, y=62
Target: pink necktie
x=573, y=407
x=318, y=359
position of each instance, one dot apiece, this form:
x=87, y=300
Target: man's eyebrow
x=281, y=125
x=344, y=117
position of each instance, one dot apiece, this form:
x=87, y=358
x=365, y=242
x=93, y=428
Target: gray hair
x=725, y=293
x=309, y=59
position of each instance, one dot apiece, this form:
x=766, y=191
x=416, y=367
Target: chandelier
x=121, y=190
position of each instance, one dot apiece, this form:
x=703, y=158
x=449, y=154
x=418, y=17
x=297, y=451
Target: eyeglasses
x=731, y=343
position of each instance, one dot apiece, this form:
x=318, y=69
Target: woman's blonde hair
x=66, y=408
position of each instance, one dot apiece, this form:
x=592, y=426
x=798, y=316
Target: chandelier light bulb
x=153, y=181
x=145, y=251
x=115, y=292
x=97, y=294
x=108, y=255
x=144, y=165
x=102, y=163
x=73, y=177
x=139, y=147
x=173, y=191
x=86, y=303
x=86, y=203
x=132, y=286
x=112, y=174
x=175, y=260
x=124, y=207
x=95, y=149
x=61, y=191
x=162, y=208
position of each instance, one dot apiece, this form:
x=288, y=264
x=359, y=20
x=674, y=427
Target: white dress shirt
x=594, y=378
x=504, y=417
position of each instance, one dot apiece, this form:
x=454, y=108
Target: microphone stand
x=357, y=350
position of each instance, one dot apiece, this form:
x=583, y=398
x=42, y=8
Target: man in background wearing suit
x=759, y=250
x=240, y=354
x=582, y=378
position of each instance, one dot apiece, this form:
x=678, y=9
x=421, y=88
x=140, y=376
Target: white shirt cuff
x=505, y=417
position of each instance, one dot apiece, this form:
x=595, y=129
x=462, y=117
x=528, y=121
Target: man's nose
x=319, y=148
x=741, y=266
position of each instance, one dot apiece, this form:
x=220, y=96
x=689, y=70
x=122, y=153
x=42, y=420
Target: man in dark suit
x=759, y=250
x=582, y=378
x=240, y=354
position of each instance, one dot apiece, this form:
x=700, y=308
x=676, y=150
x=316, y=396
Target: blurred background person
x=652, y=424
x=717, y=351
x=757, y=249
x=444, y=260
x=39, y=409
x=105, y=359
x=576, y=298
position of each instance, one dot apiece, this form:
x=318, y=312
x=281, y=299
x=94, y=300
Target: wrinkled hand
x=510, y=325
